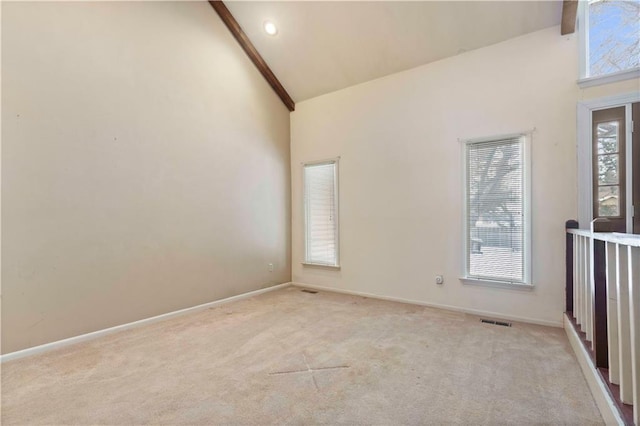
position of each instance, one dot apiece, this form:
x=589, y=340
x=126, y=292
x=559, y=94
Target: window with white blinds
x=495, y=214
x=321, y=213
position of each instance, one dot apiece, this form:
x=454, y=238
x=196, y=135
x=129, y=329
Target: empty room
x=320, y=212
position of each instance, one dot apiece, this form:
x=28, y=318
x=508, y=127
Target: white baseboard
x=493, y=315
x=599, y=390
x=101, y=333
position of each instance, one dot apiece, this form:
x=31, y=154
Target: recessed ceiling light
x=270, y=28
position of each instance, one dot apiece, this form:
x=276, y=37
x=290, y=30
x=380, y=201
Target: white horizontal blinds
x=495, y=210
x=321, y=233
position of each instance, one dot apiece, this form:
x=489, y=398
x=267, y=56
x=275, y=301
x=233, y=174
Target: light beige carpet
x=294, y=357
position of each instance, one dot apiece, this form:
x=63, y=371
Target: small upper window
x=610, y=31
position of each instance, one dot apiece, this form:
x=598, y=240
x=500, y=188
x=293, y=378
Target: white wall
x=400, y=171
x=145, y=166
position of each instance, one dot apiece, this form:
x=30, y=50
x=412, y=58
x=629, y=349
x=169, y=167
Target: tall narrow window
x=496, y=201
x=321, y=213
x=609, y=171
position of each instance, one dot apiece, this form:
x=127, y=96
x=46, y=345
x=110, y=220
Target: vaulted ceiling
x=328, y=45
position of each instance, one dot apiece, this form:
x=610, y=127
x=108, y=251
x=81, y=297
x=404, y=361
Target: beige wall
x=145, y=167
x=400, y=171
x=617, y=88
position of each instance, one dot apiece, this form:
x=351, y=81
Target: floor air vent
x=502, y=323
x=308, y=291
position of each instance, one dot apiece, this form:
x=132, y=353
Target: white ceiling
x=325, y=46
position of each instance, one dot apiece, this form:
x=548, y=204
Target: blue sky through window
x=614, y=36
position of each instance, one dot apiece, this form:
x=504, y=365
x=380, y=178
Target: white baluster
x=612, y=314
x=586, y=276
x=634, y=315
x=579, y=283
x=583, y=285
x=576, y=280
x=624, y=332
x=591, y=292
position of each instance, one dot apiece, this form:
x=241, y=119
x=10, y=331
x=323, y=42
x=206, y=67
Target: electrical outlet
x=271, y=267
x=439, y=279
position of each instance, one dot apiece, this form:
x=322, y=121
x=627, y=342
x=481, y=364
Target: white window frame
x=586, y=80
x=336, y=183
x=527, y=282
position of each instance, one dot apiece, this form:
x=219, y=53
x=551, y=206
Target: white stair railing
x=604, y=299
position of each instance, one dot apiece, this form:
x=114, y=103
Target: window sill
x=495, y=283
x=609, y=78
x=321, y=266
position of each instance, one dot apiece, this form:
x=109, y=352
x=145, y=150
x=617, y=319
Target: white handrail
x=632, y=240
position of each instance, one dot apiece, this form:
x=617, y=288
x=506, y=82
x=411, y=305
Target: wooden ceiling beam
x=252, y=52
x=569, y=13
